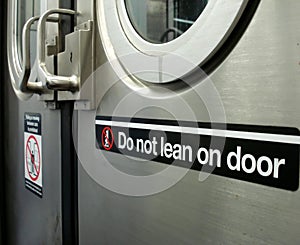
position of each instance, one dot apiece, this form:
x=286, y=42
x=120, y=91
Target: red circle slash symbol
x=107, y=138
x=33, y=158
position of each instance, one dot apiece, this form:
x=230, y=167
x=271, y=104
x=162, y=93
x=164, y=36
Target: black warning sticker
x=264, y=155
x=33, y=153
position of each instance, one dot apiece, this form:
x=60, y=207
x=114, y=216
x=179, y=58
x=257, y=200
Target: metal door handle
x=27, y=86
x=55, y=82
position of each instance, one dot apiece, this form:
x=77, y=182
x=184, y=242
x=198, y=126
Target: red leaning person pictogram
x=107, y=138
x=33, y=158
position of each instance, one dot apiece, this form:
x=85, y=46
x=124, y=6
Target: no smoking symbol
x=107, y=138
x=33, y=158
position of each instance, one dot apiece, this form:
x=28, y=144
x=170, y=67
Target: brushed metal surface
x=30, y=219
x=258, y=84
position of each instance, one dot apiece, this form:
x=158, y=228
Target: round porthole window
x=165, y=36
x=161, y=21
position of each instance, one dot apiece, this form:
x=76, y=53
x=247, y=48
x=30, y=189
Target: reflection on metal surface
x=161, y=21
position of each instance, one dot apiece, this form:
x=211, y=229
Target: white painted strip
x=184, y=21
x=290, y=139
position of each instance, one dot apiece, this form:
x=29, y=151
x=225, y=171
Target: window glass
x=25, y=10
x=160, y=21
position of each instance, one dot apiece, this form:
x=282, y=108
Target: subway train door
x=194, y=135
x=184, y=128
x=40, y=161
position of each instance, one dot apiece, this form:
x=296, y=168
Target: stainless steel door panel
x=258, y=84
x=30, y=219
x=217, y=211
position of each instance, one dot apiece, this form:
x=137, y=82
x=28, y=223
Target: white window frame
x=120, y=40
